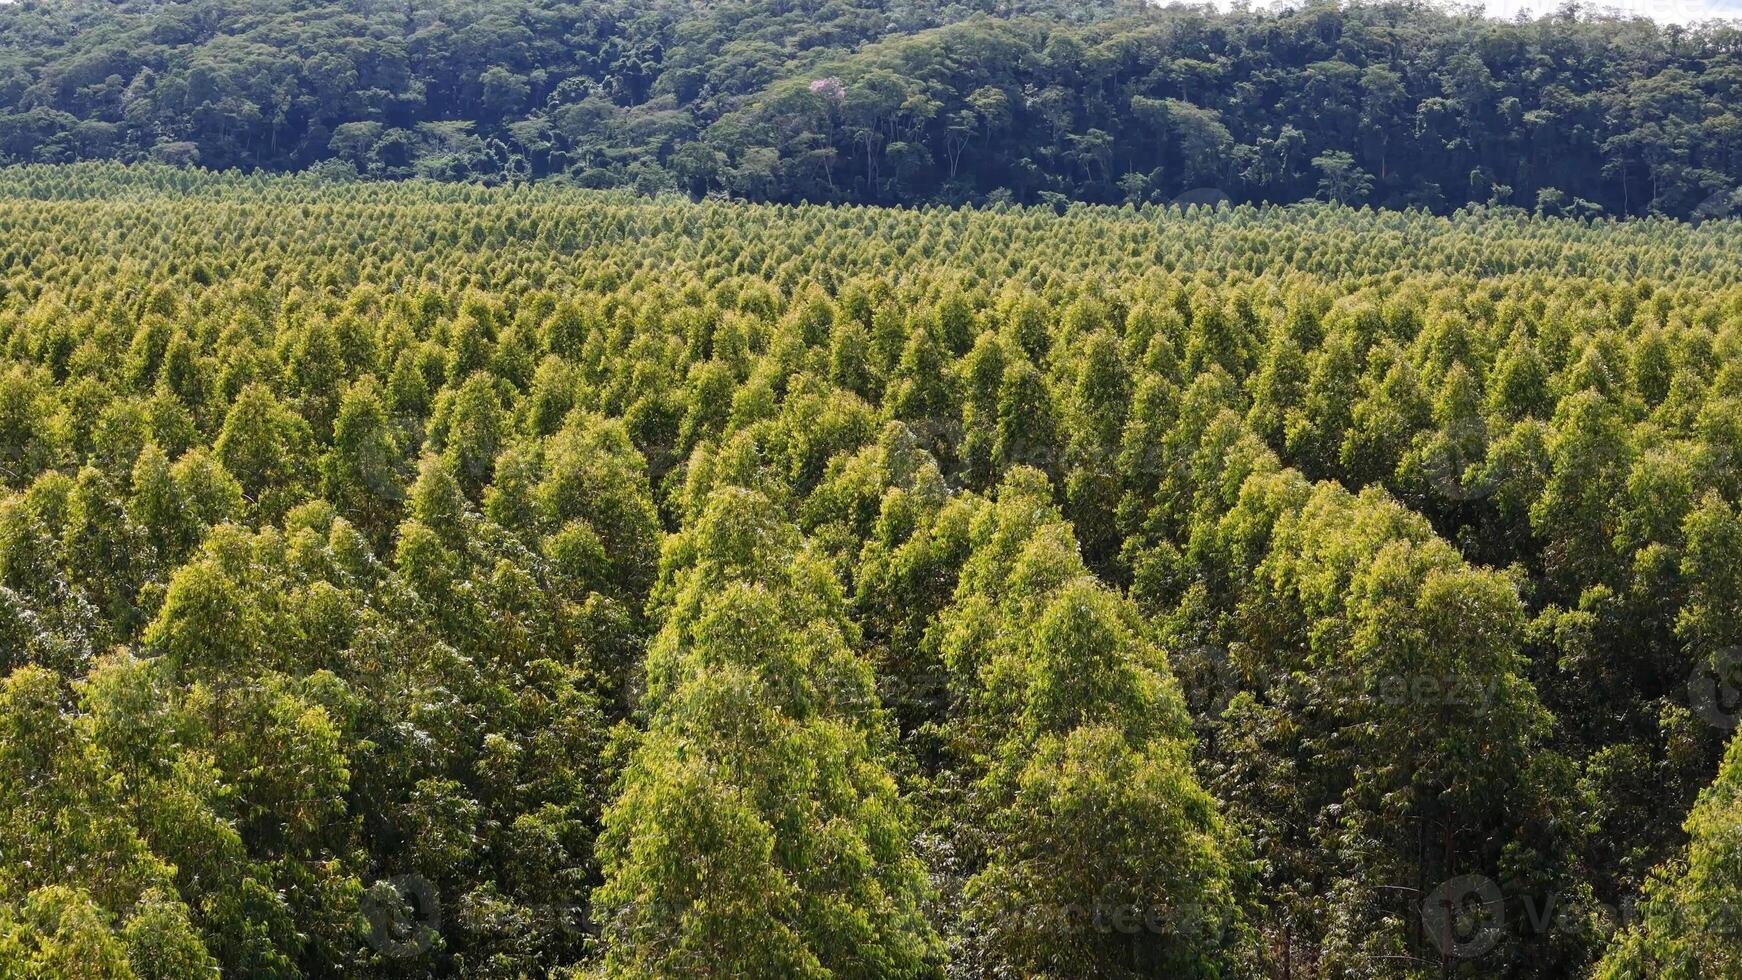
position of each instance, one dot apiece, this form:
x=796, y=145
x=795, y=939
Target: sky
x=1668, y=11
x=1665, y=11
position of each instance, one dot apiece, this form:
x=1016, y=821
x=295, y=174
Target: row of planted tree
x=433, y=580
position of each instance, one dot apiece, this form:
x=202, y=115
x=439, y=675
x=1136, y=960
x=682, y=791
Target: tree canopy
x=433, y=579
x=1397, y=103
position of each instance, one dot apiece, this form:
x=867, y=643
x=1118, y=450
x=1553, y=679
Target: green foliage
x=757, y=831
x=1578, y=113
x=1689, y=911
x=1084, y=810
x=442, y=580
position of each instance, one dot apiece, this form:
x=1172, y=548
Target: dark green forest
x=427, y=579
x=898, y=101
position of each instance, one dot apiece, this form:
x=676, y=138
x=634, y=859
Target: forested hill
x=897, y=101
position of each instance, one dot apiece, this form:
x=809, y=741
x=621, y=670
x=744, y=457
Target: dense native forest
x=414, y=579
x=1396, y=104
